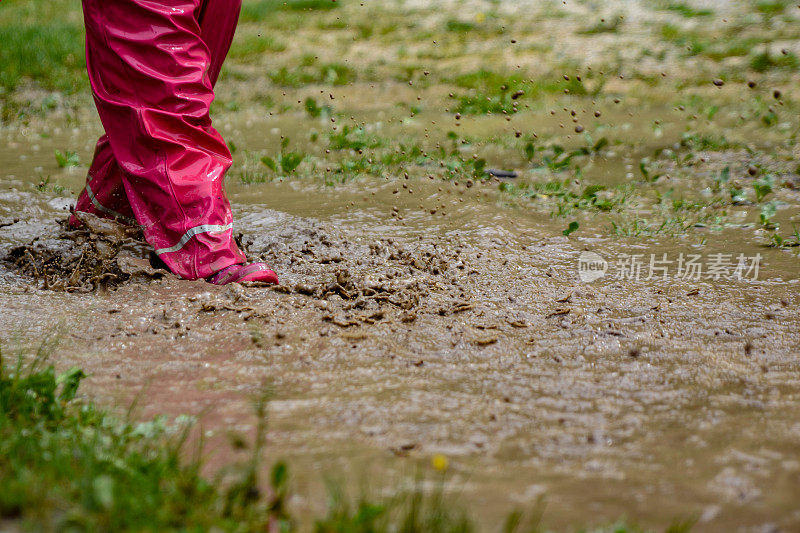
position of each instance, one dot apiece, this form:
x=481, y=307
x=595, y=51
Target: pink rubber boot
x=238, y=273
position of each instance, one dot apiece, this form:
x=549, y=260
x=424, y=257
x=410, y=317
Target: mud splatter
x=101, y=254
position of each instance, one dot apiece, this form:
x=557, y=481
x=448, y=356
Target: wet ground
x=426, y=308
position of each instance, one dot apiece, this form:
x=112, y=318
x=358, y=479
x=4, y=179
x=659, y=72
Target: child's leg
x=104, y=194
x=149, y=69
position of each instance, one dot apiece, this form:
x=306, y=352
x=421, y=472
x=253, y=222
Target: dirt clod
x=100, y=254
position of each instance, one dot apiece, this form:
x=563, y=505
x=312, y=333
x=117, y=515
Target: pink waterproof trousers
x=152, y=66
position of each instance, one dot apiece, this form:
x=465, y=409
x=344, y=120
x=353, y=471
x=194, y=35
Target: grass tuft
x=50, y=53
x=263, y=9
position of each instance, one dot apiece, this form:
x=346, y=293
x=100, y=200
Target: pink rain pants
x=152, y=66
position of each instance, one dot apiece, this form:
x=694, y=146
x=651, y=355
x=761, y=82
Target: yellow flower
x=439, y=462
x=479, y=18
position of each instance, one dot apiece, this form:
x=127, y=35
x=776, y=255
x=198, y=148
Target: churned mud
x=99, y=255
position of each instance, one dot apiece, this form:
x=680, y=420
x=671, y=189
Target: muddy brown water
x=467, y=332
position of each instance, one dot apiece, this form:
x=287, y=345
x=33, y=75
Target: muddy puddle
x=439, y=319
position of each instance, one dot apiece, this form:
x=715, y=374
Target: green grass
x=67, y=159
x=765, y=61
x=719, y=50
x=251, y=47
x=772, y=7
x=42, y=41
x=256, y=11
x=459, y=26
x=407, y=513
x=331, y=74
x=688, y=11
x=493, y=92
x=50, y=53
x=351, y=138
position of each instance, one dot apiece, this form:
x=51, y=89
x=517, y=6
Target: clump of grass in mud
x=67, y=159
x=492, y=92
x=687, y=11
x=776, y=240
x=351, y=138
x=46, y=185
x=286, y=162
x=770, y=8
x=315, y=110
x=568, y=196
x=335, y=74
x=765, y=61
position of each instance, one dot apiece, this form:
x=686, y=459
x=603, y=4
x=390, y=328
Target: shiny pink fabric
x=152, y=67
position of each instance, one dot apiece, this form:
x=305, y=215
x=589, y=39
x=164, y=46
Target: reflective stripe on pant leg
x=104, y=179
x=204, y=228
x=106, y=210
